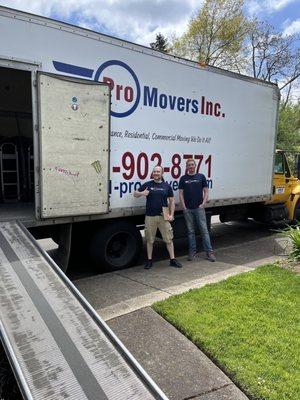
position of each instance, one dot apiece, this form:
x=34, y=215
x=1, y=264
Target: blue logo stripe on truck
x=73, y=69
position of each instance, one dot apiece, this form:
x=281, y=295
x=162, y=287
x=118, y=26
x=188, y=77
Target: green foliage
x=215, y=35
x=288, y=137
x=161, y=43
x=293, y=233
x=249, y=325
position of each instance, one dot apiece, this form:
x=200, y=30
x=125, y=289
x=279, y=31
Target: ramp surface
x=57, y=345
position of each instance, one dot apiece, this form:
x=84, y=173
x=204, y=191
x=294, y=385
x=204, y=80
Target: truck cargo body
x=163, y=111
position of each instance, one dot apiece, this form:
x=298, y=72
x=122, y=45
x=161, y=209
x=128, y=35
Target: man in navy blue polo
x=193, y=194
x=160, y=207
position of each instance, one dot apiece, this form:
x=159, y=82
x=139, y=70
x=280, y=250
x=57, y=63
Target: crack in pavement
x=144, y=284
x=207, y=392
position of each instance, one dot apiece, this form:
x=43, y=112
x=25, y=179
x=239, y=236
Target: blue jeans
x=197, y=215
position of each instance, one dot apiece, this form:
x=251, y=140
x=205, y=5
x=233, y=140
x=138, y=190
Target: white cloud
x=278, y=4
x=135, y=20
x=292, y=27
x=255, y=7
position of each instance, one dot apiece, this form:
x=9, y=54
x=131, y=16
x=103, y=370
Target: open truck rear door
x=74, y=146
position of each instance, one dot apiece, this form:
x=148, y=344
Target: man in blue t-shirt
x=160, y=207
x=193, y=194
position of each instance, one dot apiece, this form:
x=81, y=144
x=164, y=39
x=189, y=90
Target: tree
x=274, y=57
x=288, y=137
x=161, y=43
x=215, y=36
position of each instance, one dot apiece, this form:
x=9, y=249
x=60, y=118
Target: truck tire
x=115, y=246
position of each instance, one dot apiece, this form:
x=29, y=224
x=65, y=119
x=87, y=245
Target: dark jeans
x=192, y=216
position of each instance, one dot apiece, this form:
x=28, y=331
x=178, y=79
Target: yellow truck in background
x=285, y=200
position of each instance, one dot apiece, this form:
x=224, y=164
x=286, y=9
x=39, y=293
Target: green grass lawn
x=248, y=325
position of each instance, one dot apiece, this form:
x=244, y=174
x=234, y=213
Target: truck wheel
x=115, y=246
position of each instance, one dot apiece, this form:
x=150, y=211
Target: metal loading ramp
x=57, y=345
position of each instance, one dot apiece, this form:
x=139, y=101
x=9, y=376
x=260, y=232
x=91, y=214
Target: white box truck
x=84, y=118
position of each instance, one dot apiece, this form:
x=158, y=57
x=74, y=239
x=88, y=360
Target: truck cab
x=286, y=187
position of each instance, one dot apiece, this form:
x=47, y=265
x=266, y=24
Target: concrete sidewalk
x=123, y=298
x=122, y=292
x=179, y=368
